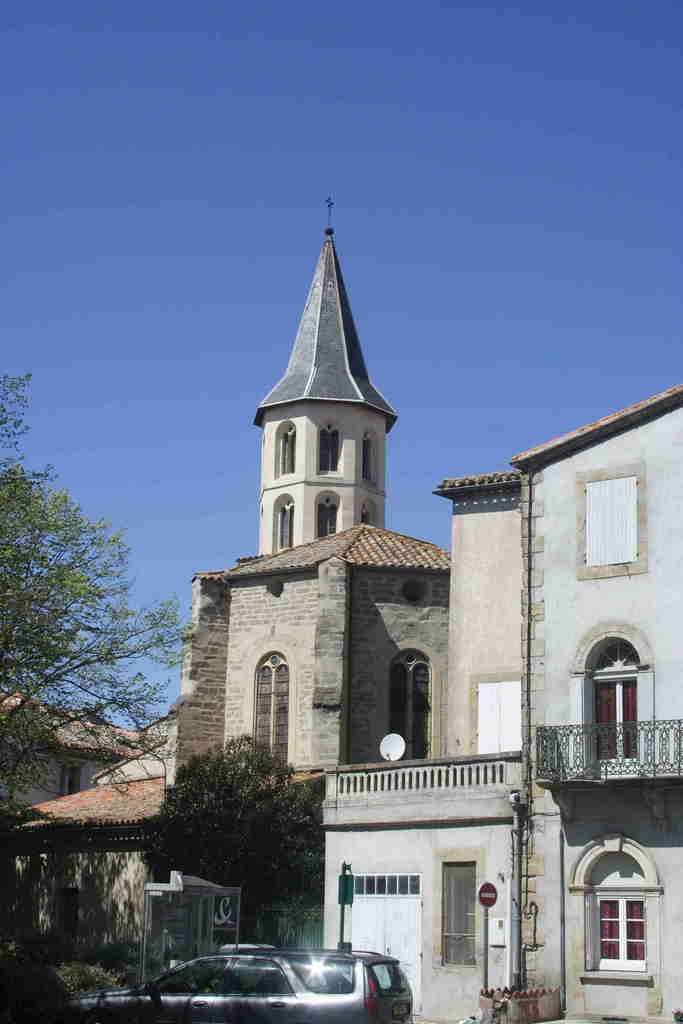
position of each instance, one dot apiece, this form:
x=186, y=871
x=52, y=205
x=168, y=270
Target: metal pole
x=486, y=948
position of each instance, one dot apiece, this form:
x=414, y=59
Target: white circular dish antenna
x=392, y=747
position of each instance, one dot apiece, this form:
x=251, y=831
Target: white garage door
x=386, y=919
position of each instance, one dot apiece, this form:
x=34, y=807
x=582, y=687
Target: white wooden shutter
x=612, y=521
x=510, y=704
x=499, y=717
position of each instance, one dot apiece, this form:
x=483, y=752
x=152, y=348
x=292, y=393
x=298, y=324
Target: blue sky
x=507, y=182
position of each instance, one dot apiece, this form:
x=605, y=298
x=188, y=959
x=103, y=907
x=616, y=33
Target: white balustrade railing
x=350, y=783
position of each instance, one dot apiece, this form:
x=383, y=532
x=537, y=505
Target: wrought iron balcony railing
x=644, y=750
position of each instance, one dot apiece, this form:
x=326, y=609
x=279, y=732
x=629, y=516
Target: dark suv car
x=275, y=985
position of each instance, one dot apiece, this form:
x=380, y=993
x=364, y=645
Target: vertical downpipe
x=528, y=785
x=563, y=928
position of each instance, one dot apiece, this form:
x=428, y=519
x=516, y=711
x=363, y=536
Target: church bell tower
x=324, y=425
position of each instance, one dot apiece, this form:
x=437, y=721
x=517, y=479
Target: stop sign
x=488, y=894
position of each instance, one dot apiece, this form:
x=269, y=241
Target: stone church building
x=337, y=632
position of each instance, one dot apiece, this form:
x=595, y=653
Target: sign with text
x=488, y=894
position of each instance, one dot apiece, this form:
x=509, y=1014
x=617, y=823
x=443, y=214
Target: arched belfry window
x=368, y=513
x=368, y=458
x=327, y=515
x=286, y=449
x=271, y=725
x=284, y=523
x=410, y=702
x=613, y=665
x=328, y=450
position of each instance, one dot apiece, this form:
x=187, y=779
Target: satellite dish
x=392, y=747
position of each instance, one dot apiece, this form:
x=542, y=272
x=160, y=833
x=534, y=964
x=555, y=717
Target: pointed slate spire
x=327, y=362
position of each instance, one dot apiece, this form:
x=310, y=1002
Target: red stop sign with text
x=488, y=894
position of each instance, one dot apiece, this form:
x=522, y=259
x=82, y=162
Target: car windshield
x=323, y=975
x=389, y=978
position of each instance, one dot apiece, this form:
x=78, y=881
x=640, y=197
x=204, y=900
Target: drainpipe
x=563, y=930
x=518, y=813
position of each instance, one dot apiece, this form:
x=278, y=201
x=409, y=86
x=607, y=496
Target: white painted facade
x=584, y=823
x=454, y=811
x=418, y=819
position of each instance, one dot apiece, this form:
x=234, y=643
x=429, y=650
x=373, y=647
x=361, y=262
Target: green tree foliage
x=70, y=643
x=236, y=817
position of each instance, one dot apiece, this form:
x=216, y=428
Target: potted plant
x=678, y=1015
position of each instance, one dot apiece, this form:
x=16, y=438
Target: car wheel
x=97, y=1017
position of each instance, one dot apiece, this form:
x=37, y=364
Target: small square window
x=403, y=885
x=370, y=885
x=392, y=885
x=381, y=885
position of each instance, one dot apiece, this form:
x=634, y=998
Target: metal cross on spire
x=330, y=203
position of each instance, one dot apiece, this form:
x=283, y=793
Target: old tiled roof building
x=299, y=644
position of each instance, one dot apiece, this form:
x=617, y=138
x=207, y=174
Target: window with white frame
x=615, y=691
x=458, y=914
x=271, y=720
x=387, y=885
x=617, y=915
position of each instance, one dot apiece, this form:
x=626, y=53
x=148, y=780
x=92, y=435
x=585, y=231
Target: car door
x=259, y=993
x=193, y=982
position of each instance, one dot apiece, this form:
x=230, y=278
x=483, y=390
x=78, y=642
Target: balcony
x=597, y=753
x=461, y=788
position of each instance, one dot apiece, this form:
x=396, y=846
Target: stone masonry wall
x=533, y=714
x=331, y=663
x=261, y=623
x=202, y=699
x=383, y=623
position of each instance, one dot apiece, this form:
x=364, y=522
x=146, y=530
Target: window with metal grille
x=458, y=916
x=271, y=728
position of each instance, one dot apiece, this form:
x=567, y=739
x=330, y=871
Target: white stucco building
x=604, y=707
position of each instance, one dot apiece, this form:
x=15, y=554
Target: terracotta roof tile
x=614, y=423
x=106, y=805
x=499, y=478
x=360, y=545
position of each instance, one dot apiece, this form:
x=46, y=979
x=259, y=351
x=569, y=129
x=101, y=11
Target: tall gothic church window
x=328, y=450
x=271, y=727
x=410, y=702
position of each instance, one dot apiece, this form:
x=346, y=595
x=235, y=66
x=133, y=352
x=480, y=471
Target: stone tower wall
x=383, y=623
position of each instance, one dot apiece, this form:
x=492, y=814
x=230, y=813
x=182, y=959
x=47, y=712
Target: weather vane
x=330, y=203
